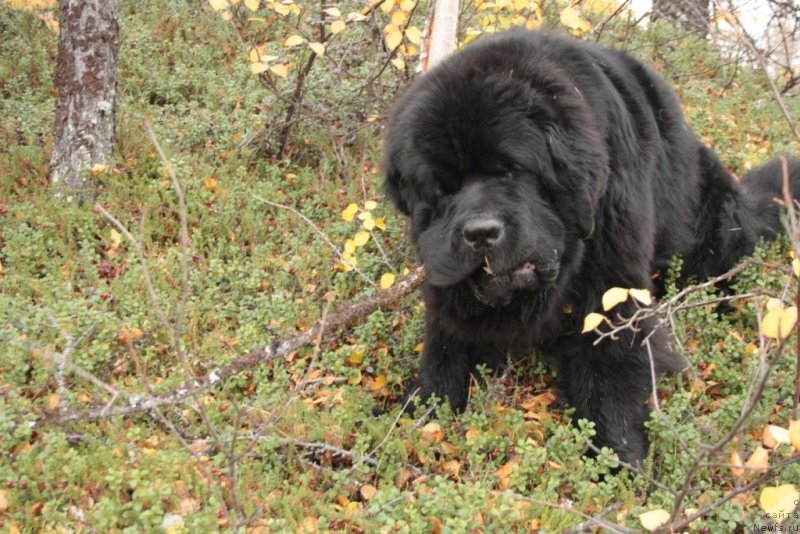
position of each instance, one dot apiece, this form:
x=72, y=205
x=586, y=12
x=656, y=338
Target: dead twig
x=277, y=349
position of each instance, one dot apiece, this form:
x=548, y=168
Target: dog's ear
x=395, y=192
x=580, y=175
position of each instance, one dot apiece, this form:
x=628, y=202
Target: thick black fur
x=539, y=171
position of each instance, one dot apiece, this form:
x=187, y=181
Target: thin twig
x=319, y=232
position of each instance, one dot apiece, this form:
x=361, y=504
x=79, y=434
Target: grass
x=294, y=444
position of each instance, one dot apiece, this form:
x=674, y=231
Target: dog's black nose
x=483, y=233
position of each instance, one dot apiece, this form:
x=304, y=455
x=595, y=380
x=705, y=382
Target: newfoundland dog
x=538, y=171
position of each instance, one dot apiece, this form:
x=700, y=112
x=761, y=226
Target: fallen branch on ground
x=275, y=350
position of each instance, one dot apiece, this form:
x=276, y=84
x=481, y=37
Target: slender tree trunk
x=86, y=82
x=441, y=26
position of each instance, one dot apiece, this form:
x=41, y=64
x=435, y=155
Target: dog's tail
x=734, y=214
x=763, y=188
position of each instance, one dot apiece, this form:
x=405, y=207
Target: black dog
x=540, y=171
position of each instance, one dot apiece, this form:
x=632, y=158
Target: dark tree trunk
x=86, y=82
x=690, y=15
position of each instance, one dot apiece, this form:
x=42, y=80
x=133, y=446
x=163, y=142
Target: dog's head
x=493, y=157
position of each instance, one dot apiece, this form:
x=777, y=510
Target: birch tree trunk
x=86, y=82
x=442, y=24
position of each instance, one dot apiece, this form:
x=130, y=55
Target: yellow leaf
x=380, y=382
x=354, y=16
x=367, y=491
x=210, y=183
x=778, y=323
x=98, y=169
x=399, y=18
x=413, y=34
x=796, y=266
x=387, y=280
x=386, y=6
x=252, y=5
x=279, y=70
x=218, y=5
x=115, y=237
x=333, y=12
x=453, y=468
x=736, y=462
x=337, y=26
x=3, y=501
x=349, y=213
x=53, y=400
x=433, y=432
x=407, y=5
x=355, y=380
x=642, y=295
x=654, y=519
x=365, y=216
x=357, y=356
x=361, y=238
x=370, y=205
x=349, y=247
x=774, y=500
x=614, y=296
x=592, y=321
x=398, y=63
x=571, y=18
x=774, y=435
x=368, y=224
x=759, y=460
x=380, y=222
x=774, y=303
x=393, y=39
x=258, y=68
x=294, y=40
x=318, y=48
x=794, y=434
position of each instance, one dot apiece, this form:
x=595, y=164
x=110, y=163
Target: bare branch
x=277, y=349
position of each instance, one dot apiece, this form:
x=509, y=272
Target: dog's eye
x=442, y=204
x=506, y=171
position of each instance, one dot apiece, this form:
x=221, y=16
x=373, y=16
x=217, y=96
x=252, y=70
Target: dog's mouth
x=497, y=288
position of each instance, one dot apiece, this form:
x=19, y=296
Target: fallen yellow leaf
x=779, y=499
x=794, y=434
x=778, y=322
x=654, y=519
x=759, y=460
x=774, y=435
x=387, y=280
x=433, y=432
x=736, y=460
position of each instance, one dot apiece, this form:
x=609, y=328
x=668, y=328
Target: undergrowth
x=311, y=442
